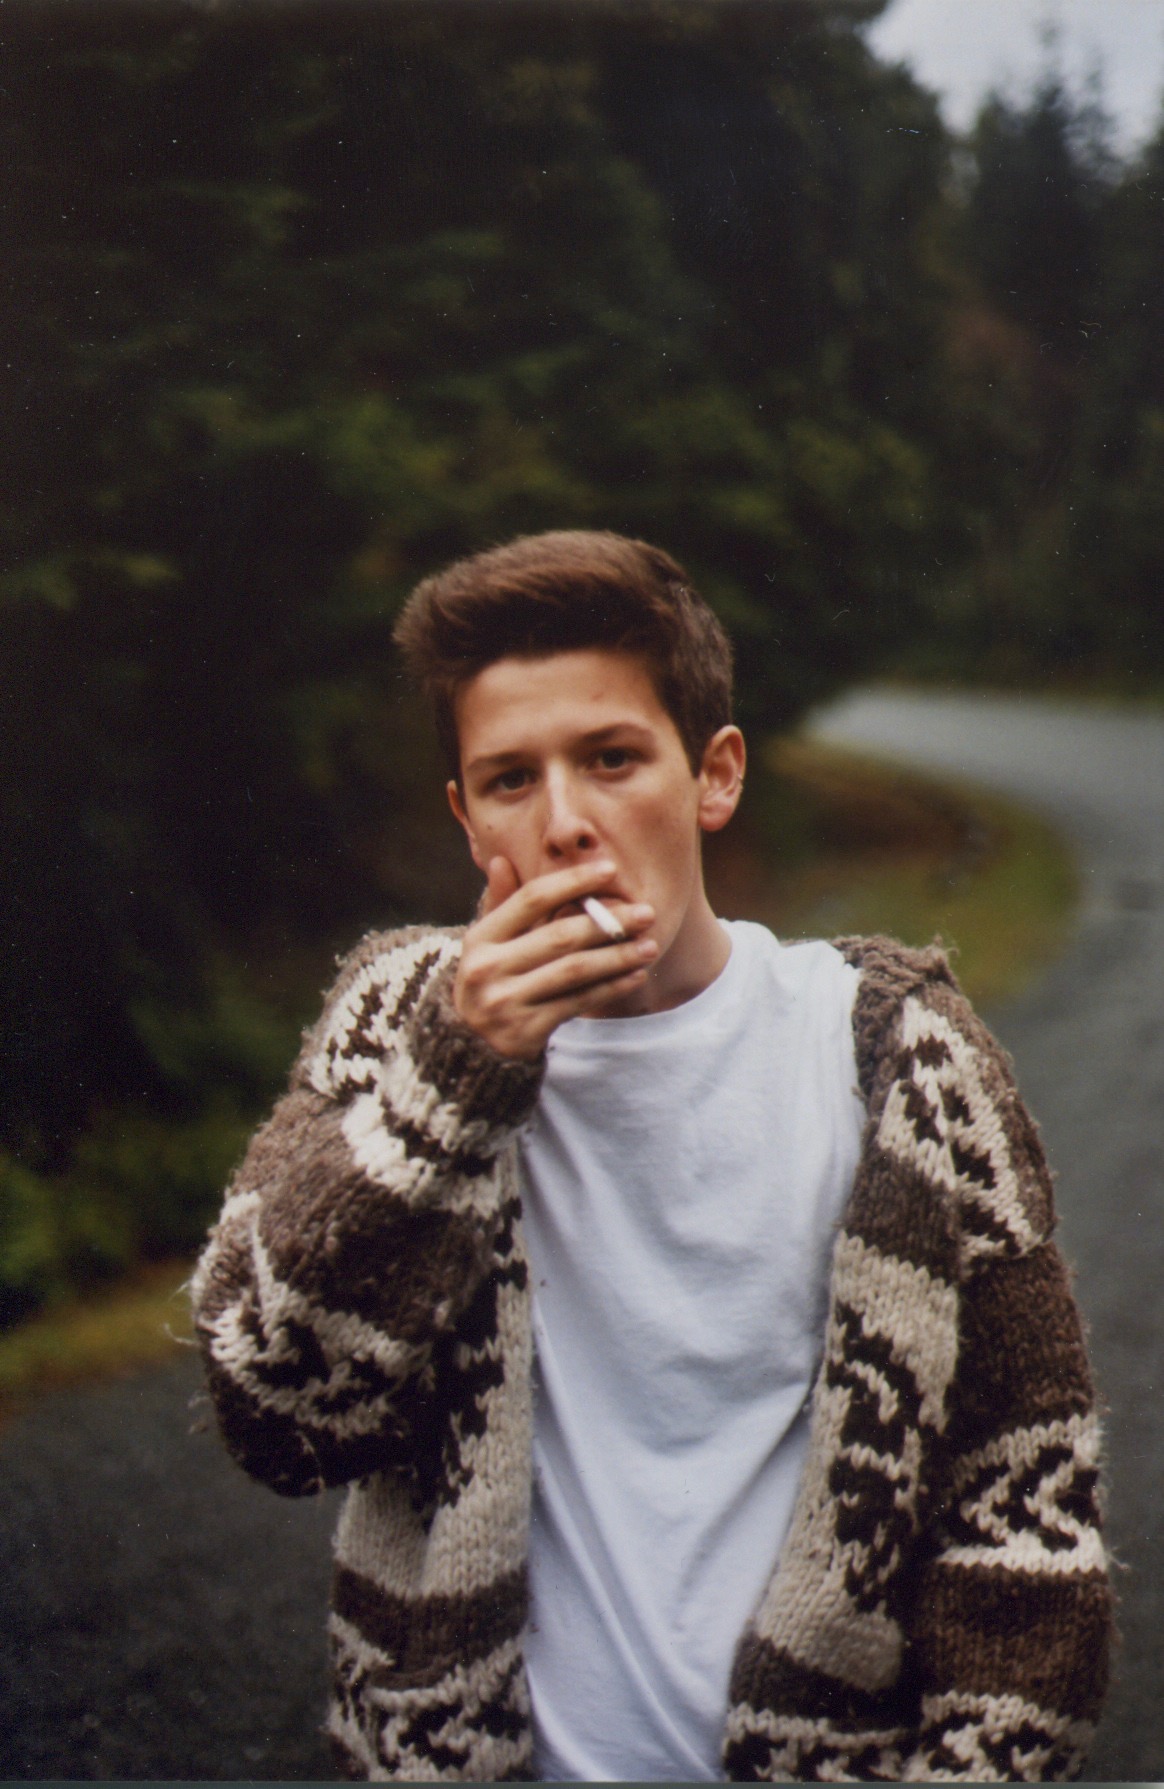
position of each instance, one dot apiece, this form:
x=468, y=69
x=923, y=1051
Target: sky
x=962, y=48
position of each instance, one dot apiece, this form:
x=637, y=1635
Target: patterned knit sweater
x=940, y=1608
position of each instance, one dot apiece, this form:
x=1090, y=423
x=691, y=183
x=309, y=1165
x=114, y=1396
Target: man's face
x=573, y=757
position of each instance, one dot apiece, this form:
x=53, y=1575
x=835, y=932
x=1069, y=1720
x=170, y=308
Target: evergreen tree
x=310, y=300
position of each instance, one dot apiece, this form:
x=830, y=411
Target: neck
x=697, y=955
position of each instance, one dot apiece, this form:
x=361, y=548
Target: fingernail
x=646, y=947
x=641, y=911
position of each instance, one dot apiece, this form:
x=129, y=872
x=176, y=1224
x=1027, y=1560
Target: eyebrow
x=597, y=736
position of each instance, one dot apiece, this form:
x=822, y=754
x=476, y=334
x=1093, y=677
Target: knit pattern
x=940, y=1609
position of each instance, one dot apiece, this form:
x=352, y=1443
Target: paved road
x=162, y=1617
x=1088, y=1043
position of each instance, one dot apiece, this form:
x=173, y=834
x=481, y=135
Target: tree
x=312, y=300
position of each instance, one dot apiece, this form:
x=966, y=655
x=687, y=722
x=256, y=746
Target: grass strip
x=137, y=1322
x=834, y=843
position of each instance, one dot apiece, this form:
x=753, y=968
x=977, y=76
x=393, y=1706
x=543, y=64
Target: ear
x=721, y=778
x=456, y=802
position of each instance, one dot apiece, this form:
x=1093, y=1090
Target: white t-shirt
x=684, y=1174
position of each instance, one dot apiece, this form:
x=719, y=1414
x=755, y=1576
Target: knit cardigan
x=940, y=1608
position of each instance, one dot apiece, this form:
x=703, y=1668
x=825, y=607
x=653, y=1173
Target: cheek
x=507, y=835
x=672, y=863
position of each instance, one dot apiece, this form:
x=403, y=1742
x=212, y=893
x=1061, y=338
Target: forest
x=303, y=300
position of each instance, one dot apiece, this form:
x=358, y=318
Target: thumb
x=501, y=882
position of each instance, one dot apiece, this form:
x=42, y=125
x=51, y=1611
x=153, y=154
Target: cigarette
x=604, y=919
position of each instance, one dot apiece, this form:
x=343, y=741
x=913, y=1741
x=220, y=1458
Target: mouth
x=603, y=918
x=575, y=909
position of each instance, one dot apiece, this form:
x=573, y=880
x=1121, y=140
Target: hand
x=523, y=972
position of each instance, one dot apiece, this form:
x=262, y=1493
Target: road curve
x=162, y=1617
x=1088, y=1044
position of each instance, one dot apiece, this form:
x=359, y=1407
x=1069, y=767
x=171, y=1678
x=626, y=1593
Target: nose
x=569, y=835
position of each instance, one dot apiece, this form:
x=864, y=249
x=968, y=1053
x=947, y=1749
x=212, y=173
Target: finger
x=603, y=918
x=501, y=881
x=536, y=900
x=601, y=995
x=565, y=936
x=587, y=1000
x=568, y=975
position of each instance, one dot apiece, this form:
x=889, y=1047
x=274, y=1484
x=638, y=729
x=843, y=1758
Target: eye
x=614, y=757
x=509, y=782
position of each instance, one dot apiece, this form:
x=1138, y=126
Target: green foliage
x=143, y=1183
x=313, y=299
x=139, y=1186
x=1042, y=174
x=1116, y=543
x=1057, y=346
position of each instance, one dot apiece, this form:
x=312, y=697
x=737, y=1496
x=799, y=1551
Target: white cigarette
x=603, y=918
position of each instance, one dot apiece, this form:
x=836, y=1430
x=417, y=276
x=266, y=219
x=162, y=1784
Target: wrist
x=464, y=1062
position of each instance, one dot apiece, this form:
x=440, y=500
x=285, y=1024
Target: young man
x=680, y=1306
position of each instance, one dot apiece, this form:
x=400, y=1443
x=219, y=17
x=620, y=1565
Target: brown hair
x=546, y=593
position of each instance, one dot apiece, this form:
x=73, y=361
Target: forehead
x=524, y=700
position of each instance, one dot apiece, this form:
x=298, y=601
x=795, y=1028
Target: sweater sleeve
x=1008, y=1638
x=366, y=1217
